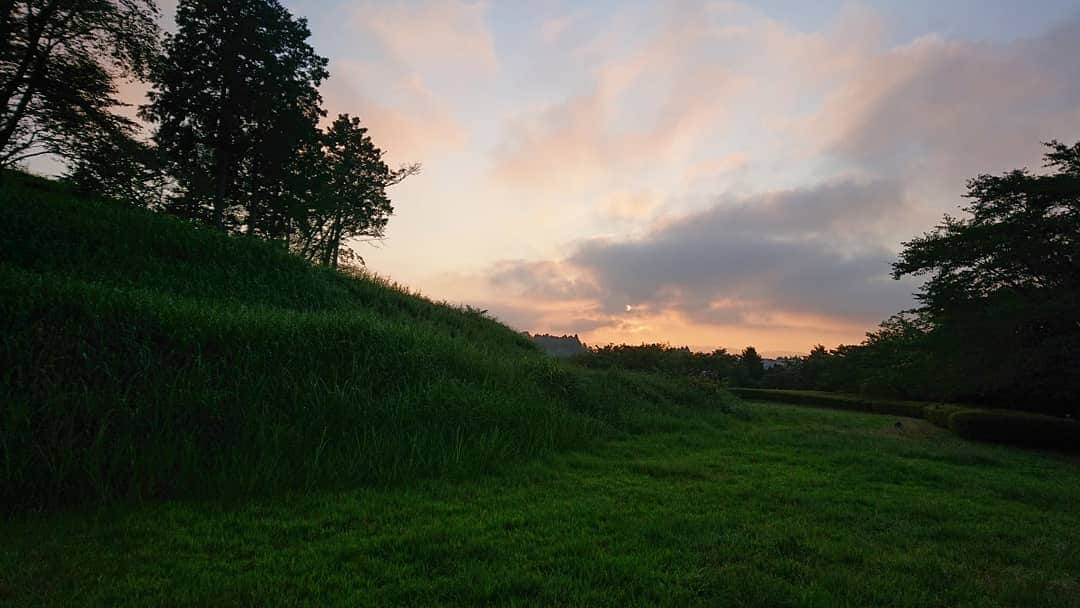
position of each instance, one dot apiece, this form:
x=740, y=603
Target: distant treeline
x=998, y=321
x=744, y=369
x=234, y=111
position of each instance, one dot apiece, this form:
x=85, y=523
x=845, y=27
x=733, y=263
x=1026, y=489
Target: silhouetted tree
x=235, y=101
x=1003, y=295
x=59, y=61
x=353, y=202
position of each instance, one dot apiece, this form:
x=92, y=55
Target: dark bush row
x=996, y=425
x=1017, y=428
x=911, y=409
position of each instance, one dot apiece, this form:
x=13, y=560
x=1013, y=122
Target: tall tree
x=353, y=202
x=59, y=62
x=1003, y=294
x=235, y=101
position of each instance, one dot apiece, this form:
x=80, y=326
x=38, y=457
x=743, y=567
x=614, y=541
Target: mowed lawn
x=786, y=506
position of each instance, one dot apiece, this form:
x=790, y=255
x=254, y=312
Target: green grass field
x=787, y=506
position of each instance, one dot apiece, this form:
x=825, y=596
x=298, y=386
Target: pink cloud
x=415, y=126
x=642, y=108
x=448, y=33
x=712, y=167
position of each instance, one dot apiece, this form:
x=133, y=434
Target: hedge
x=911, y=409
x=1017, y=428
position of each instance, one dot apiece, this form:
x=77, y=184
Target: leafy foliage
x=121, y=167
x=1003, y=294
x=237, y=106
x=59, y=62
x=751, y=368
x=235, y=99
x=348, y=198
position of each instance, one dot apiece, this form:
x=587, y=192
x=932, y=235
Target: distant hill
x=558, y=346
x=142, y=356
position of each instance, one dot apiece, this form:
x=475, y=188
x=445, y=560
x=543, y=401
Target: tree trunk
x=333, y=241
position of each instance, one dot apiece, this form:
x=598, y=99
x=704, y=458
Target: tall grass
x=142, y=357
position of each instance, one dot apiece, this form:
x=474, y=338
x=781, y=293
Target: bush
x=1017, y=428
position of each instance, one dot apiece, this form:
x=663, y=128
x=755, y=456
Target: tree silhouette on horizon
x=235, y=99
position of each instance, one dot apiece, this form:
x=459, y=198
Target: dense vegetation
x=233, y=117
x=144, y=356
x=60, y=61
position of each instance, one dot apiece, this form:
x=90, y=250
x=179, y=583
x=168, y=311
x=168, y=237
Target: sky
x=711, y=174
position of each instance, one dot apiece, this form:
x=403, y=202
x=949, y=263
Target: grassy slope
x=143, y=357
x=792, y=507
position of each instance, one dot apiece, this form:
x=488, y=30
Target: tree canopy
x=350, y=199
x=1020, y=241
x=59, y=64
x=1003, y=293
x=235, y=99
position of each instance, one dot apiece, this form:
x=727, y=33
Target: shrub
x=1017, y=428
